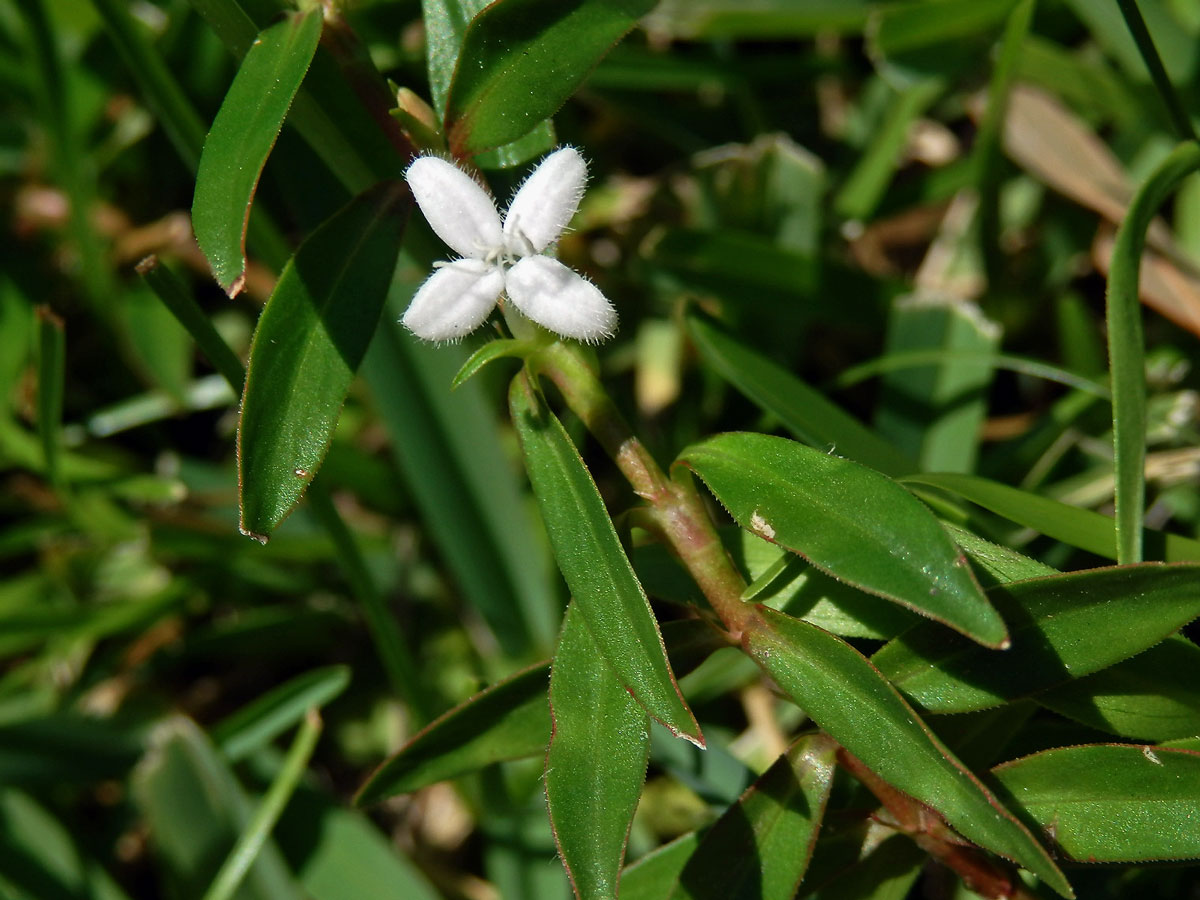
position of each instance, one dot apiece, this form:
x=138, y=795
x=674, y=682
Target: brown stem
x=983, y=874
x=675, y=507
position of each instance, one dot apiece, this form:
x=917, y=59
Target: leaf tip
x=235, y=287
x=261, y=538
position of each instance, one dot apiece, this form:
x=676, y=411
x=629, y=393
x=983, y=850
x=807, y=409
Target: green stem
x=1126, y=353
x=251, y=841
x=675, y=507
x=1158, y=73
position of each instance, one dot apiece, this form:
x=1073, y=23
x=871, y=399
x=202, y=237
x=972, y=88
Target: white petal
x=544, y=205
x=454, y=300
x=457, y=208
x=562, y=300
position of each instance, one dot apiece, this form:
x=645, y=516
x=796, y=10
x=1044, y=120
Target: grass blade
x=250, y=842
x=1126, y=353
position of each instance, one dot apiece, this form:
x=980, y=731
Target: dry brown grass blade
x=1168, y=289
x=1051, y=143
x=1060, y=150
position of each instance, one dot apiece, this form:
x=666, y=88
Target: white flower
x=504, y=257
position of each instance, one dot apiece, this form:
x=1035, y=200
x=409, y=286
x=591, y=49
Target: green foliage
x=241, y=139
x=918, y=587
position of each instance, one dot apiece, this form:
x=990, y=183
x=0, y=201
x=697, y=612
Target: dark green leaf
x=446, y=24
x=849, y=521
x=805, y=412
x=848, y=698
x=308, y=344
x=596, y=762
x=241, y=139
x=732, y=263
x=525, y=58
x=1143, y=697
x=1063, y=626
x=508, y=720
x=593, y=563
x=1109, y=803
x=760, y=847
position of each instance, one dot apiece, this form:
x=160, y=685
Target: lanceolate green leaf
x=760, y=847
x=241, y=139
x=308, y=344
x=1063, y=626
x=849, y=521
x=524, y=59
x=508, y=720
x=805, y=412
x=848, y=698
x=593, y=563
x=1143, y=698
x=446, y=24
x=1110, y=803
x=1080, y=528
x=596, y=763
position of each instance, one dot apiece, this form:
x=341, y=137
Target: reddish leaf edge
x=1004, y=644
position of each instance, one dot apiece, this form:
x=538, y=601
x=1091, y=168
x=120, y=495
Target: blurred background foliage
x=822, y=176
